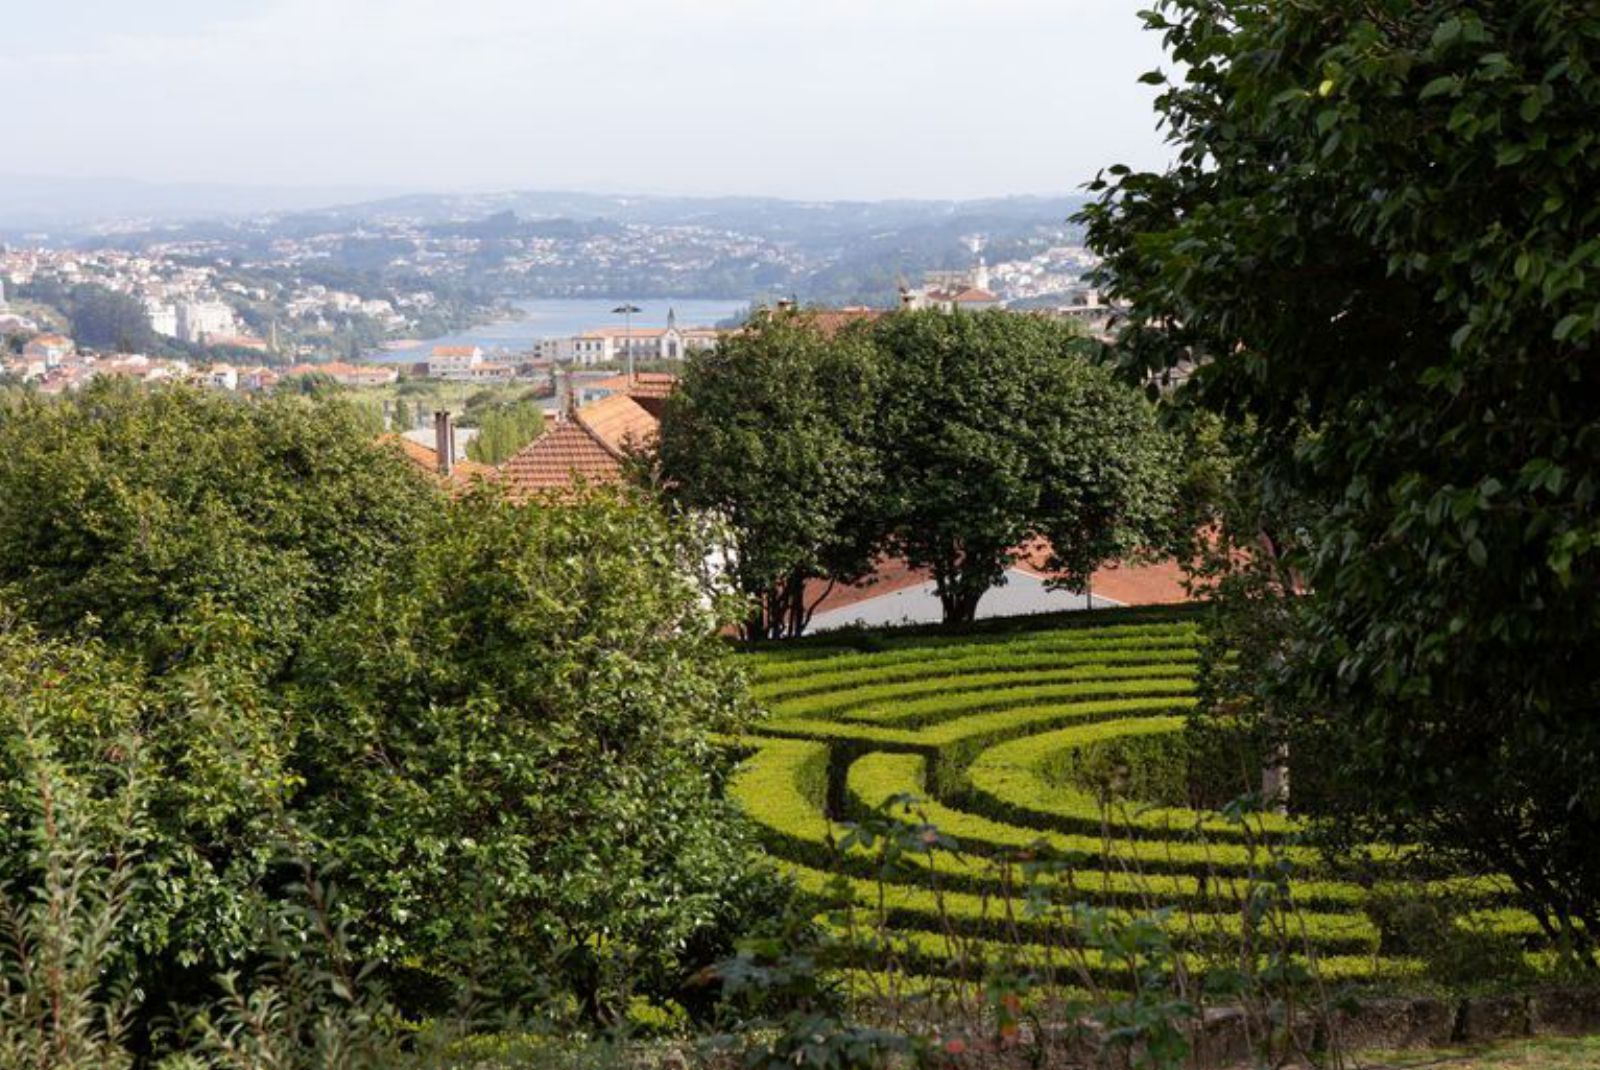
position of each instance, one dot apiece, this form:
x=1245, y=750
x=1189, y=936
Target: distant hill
x=558, y=244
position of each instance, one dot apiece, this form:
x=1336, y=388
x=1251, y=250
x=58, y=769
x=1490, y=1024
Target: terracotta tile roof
x=830, y=321
x=644, y=385
x=567, y=452
x=589, y=446
x=974, y=295
x=619, y=422
x=453, y=351
x=1161, y=583
x=462, y=474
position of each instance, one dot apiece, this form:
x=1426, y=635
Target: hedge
x=1007, y=782
x=927, y=710
x=802, y=677
x=777, y=788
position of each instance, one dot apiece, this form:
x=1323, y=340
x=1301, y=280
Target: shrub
x=514, y=734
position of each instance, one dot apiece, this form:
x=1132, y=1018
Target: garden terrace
x=959, y=750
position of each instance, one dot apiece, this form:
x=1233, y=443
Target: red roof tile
x=644, y=384
x=590, y=446
x=566, y=453
x=462, y=474
x=620, y=423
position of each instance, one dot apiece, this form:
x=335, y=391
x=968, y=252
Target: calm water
x=562, y=317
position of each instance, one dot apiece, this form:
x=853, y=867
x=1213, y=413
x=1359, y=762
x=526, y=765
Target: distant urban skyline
x=830, y=99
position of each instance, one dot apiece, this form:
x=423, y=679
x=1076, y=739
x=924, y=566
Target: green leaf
x=1445, y=83
x=1478, y=553
x=1567, y=326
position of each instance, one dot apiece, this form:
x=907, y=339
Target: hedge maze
x=969, y=752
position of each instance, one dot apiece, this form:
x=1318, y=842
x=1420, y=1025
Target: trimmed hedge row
x=778, y=789
x=928, y=954
x=916, y=713
x=876, y=778
x=1140, y=864
x=845, y=702
x=1008, y=782
x=799, y=677
x=913, y=908
x=987, y=730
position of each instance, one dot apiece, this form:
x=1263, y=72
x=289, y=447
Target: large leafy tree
x=772, y=433
x=1380, y=241
x=126, y=513
x=995, y=430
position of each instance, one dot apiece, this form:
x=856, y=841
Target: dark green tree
x=1380, y=242
x=772, y=433
x=994, y=430
x=126, y=512
x=107, y=320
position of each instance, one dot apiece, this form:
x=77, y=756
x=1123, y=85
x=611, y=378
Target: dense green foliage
x=950, y=440
x=773, y=433
x=144, y=517
x=503, y=430
x=1381, y=243
x=511, y=733
x=491, y=725
x=996, y=430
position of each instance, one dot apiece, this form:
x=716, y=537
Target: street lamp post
x=626, y=311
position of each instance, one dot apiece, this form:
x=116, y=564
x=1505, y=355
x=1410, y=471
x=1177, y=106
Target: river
x=561, y=317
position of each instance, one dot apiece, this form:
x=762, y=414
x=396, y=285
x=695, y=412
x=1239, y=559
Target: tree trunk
x=1275, y=779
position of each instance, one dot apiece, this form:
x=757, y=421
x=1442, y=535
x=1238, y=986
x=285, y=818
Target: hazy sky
x=799, y=98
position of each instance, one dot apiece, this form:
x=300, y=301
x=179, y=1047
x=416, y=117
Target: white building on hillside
x=607, y=345
x=163, y=317
x=453, y=362
x=199, y=320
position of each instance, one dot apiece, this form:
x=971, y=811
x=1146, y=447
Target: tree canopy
x=994, y=430
x=772, y=432
x=503, y=430
x=1380, y=242
x=130, y=513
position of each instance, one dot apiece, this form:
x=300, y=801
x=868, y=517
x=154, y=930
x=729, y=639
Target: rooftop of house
x=589, y=446
x=830, y=321
x=643, y=384
x=462, y=473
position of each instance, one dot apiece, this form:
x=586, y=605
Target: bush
x=514, y=735
x=133, y=514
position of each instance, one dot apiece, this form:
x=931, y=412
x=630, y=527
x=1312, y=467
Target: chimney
x=444, y=441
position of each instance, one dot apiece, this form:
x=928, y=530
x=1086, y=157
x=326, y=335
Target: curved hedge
x=983, y=732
